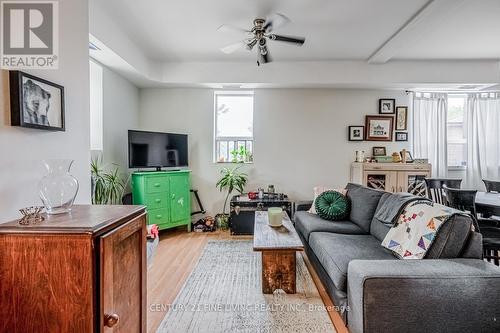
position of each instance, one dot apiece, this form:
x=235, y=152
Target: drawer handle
x=173, y=196
x=158, y=200
x=111, y=320
x=157, y=185
x=158, y=216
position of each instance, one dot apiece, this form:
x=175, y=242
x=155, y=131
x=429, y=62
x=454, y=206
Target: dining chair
x=435, y=188
x=491, y=244
x=465, y=200
x=492, y=186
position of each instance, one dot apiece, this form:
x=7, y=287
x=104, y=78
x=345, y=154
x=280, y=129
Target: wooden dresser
x=392, y=177
x=78, y=272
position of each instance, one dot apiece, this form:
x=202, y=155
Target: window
x=96, y=131
x=457, y=131
x=233, y=126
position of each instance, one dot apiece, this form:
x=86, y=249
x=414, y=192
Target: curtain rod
x=453, y=91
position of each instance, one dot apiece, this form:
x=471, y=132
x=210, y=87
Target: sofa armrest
x=303, y=205
x=456, y=295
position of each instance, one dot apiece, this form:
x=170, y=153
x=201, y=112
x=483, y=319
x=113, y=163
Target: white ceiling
x=154, y=38
x=186, y=30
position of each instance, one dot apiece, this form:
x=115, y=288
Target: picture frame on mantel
x=36, y=102
x=379, y=128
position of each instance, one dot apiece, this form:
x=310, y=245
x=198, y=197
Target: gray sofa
x=451, y=290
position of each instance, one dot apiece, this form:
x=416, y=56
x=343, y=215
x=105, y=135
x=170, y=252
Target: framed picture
x=35, y=102
x=356, y=133
x=409, y=158
x=386, y=105
x=379, y=151
x=401, y=118
x=401, y=136
x=379, y=128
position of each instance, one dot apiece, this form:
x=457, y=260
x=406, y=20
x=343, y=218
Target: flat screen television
x=157, y=150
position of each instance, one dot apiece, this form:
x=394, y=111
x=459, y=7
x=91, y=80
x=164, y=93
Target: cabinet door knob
x=173, y=196
x=158, y=200
x=111, y=320
x=158, y=216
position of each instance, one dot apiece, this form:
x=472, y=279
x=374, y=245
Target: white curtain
x=483, y=138
x=429, y=130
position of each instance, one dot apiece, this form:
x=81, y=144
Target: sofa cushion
x=364, y=202
x=332, y=206
x=335, y=251
x=379, y=228
x=451, y=239
x=305, y=223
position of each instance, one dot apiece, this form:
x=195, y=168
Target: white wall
x=22, y=149
x=300, y=135
x=120, y=113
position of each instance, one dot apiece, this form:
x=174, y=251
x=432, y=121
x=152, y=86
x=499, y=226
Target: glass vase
x=58, y=188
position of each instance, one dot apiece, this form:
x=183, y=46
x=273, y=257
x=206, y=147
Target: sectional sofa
x=450, y=290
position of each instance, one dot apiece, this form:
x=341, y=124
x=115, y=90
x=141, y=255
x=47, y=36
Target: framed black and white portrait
x=356, y=133
x=386, y=106
x=35, y=102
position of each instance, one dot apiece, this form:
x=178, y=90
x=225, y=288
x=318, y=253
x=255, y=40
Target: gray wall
x=120, y=113
x=23, y=149
x=300, y=135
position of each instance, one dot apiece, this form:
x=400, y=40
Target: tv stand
x=166, y=194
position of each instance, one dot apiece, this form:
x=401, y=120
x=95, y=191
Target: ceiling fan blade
x=231, y=29
x=275, y=21
x=233, y=47
x=288, y=39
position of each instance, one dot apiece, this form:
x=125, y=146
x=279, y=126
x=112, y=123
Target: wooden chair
x=492, y=186
x=435, y=188
x=465, y=200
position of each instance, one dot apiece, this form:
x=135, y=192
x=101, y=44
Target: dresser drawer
x=156, y=184
x=158, y=216
x=157, y=200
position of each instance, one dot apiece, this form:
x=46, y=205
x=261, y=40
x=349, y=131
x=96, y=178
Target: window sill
x=457, y=168
x=233, y=163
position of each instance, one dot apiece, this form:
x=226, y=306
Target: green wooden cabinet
x=166, y=194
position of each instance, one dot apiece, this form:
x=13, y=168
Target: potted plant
x=107, y=186
x=232, y=179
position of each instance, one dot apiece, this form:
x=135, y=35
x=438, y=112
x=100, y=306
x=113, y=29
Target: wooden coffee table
x=278, y=247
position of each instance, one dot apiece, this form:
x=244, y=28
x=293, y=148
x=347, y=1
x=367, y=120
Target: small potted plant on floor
x=232, y=179
x=108, y=186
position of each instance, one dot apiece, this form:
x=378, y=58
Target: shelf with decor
x=392, y=177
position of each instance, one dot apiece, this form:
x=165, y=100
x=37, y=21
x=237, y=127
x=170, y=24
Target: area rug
x=224, y=294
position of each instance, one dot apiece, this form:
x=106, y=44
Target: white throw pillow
x=320, y=189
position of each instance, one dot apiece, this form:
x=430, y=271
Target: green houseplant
x=232, y=179
x=107, y=185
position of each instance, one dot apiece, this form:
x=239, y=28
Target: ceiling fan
x=261, y=32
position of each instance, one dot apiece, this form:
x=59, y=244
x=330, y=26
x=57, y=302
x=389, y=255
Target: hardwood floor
x=174, y=259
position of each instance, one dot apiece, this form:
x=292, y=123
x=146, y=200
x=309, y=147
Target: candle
x=275, y=216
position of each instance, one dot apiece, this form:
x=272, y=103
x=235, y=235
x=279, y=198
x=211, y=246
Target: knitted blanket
x=416, y=228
